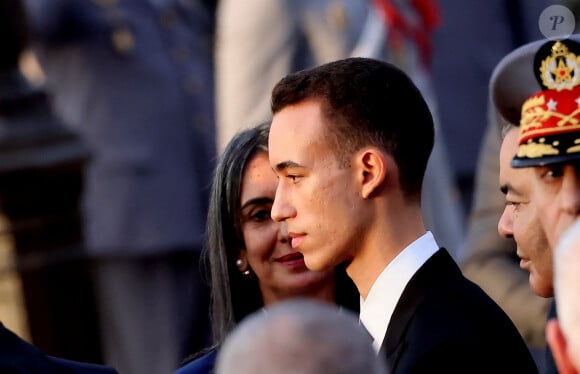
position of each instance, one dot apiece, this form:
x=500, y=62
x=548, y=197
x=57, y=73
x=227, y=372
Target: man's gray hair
x=299, y=336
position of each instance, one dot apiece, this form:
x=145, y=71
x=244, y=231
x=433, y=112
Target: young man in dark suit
x=350, y=141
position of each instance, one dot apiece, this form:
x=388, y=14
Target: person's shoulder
x=201, y=365
x=75, y=367
x=446, y=283
x=464, y=311
x=441, y=276
x=465, y=322
x=16, y=355
x=447, y=295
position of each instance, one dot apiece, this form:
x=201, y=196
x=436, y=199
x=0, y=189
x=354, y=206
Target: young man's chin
x=316, y=264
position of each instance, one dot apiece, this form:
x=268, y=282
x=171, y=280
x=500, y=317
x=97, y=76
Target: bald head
x=299, y=336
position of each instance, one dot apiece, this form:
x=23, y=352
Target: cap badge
x=550, y=120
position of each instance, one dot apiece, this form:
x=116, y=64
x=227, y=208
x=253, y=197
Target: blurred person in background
x=47, y=292
x=31, y=142
x=471, y=39
x=135, y=80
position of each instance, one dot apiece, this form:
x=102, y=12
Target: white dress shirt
x=377, y=309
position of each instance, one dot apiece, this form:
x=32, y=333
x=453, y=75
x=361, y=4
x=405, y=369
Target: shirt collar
x=377, y=309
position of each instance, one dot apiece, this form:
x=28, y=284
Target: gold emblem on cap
x=560, y=70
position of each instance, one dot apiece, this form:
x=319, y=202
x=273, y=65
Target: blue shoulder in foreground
x=80, y=367
x=19, y=357
x=201, y=365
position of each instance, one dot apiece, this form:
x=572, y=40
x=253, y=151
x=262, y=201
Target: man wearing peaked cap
x=492, y=264
x=549, y=139
x=489, y=260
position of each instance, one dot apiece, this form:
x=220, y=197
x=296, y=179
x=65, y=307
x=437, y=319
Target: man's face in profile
x=521, y=219
x=316, y=196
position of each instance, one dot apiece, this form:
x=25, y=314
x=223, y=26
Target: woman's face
x=280, y=270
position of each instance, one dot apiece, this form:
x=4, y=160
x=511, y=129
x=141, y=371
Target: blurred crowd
x=131, y=130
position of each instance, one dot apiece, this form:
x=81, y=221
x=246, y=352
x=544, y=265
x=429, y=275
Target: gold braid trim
x=532, y=102
x=535, y=150
x=574, y=148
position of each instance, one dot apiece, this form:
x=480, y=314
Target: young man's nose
x=281, y=209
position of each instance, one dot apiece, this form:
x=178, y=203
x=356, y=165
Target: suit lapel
x=436, y=267
x=394, y=344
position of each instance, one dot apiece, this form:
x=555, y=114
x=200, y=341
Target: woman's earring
x=243, y=267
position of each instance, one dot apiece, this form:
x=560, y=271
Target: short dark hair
x=367, y=102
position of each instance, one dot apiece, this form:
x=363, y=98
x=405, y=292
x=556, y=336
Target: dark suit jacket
x=444, y=323
x=202, y=365
x=19, y=357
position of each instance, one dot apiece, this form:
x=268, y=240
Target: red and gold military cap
x=550, y=118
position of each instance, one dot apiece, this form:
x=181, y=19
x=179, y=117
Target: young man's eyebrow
x=287, y=164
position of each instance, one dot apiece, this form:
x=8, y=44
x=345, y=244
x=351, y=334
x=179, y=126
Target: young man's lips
x=296, y=240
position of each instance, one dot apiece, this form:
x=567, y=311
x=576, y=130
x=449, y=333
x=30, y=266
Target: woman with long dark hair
x=251, y=262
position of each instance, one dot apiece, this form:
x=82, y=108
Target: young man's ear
x=559, y=348
x=373, y=168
